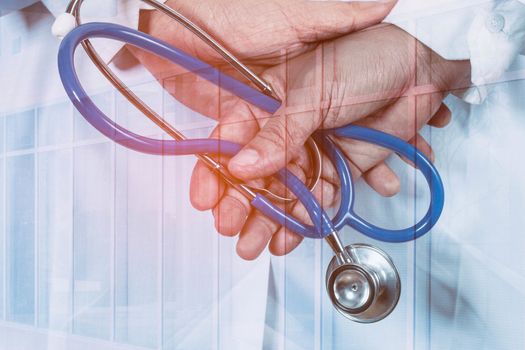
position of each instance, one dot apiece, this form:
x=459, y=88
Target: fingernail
x=247, y=157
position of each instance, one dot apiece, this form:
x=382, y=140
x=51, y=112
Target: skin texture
x=249, y=28
x=381, y=78
x=356, y=86
x=265, y=34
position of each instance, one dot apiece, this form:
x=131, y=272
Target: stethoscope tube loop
x=84, y=104
x=421, y=162
x=322, y=224
x=361, y=280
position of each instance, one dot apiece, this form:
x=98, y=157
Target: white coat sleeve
x=123, y=12
x=490, y=34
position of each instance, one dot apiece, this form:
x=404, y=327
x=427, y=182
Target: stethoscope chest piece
x=367, y=288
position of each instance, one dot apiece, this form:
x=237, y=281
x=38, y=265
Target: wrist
x=432, y=70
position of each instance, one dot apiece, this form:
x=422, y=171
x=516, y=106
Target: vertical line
x=284, y=337
x=317, y=294
x=72, y=243
x=7, y=242
x=412, y=103
x=287, y=70
x=217, y=256
x=1, y=29
x=4, y=199
x=160, y=340
x=318, y=243
x=36, y=221
x=113, y=274
x=216, y=291
x=319, y=79
x=430, y=278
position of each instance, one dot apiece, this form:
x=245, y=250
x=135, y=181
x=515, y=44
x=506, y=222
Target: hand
x=261, y=33
x=380, y=78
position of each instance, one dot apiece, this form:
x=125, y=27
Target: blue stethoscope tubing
x=323, y=225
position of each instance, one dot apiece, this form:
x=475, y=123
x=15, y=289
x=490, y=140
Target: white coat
x=101, y=249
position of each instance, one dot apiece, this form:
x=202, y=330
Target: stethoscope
x=361, y=280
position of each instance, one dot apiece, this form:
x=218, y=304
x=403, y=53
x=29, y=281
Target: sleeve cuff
x=490, y=35
x=495, y=39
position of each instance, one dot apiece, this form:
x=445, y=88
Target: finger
x=231, y=213
x=285, y=241
x=383, y=180
x=403, y=120
x=423, y=146
x=189, y=88
x=259, y=228
x=322, y=21
x=255, y=236
x=232, y=210
x=205, y=188
x=279, y=141
x=237, y=125
x=442, y=117
x=277, y=187
x=201, y=95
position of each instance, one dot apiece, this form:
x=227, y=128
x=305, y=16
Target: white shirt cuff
x=490, y=35
x=495, y=39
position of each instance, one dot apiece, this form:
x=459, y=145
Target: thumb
x=276, y=144
x=323, y=21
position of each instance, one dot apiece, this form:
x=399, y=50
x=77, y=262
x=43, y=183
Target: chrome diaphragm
x=366, y=288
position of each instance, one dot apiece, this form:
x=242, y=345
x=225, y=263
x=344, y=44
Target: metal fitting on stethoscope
x=363, y=285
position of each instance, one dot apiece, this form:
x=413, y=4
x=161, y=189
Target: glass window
x=21, y=239
x=93, y=237
x=2, y=236
x=2, y=135
x=82, y=129
x=190, y=286
x=55, y=230
x=131, y=118
x=138, y=247
x=1, y=35
x=55, y=124
x=20, y=131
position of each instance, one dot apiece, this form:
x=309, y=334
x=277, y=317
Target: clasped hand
x=332, y=64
